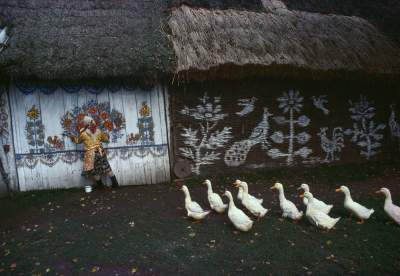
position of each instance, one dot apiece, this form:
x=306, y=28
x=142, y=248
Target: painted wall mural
x=291, y=102
x=247, y=105
x=393, y=123
x=201, y=143
x=111, y=121
x=145, y=125
x=320, y=102
x=44, y=116
x=274, y=129
x=236, y=155
x=331, y=145
x=34, y=130
x=4, y=133
x=365, y=132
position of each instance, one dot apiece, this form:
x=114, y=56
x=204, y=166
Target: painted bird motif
x=248, y=106
x=319, y=103
x=236, y=155
x=330, y=146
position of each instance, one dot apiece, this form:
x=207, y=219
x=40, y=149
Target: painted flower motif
x=104, y=116
x=362, y=110
x=80, y=117
x=108, y=125
x=291, y=101
x=209, y=110
x=92, y=110
x=145, y=110
x=33, y=113
x=67, y=123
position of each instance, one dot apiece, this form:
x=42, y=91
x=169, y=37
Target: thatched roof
x=74, y=39
x=153, y=39
x=206, y=41
x=384, y=14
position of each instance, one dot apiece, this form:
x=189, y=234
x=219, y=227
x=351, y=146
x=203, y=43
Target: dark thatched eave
x=91, y=39
x=214, y=44
x=384, y=14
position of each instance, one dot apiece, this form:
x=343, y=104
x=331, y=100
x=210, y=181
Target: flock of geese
x=317, y=211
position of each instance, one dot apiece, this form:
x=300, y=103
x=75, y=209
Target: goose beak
x=338, y=190
x=301, y=196
x=273, y=187
x=378, y=192
x=299, y=188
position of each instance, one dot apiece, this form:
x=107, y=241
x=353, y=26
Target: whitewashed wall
x=41, y=167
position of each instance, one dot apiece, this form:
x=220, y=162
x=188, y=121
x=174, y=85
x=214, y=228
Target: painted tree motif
x=330, y=146
x=291, y=102
x=34, y=130
x=202, y=143
x=236, y=155
x=365, y=133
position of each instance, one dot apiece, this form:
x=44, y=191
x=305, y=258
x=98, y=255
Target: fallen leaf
x=95, y=269
x=134, y=270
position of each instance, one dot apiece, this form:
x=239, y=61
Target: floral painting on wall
x=109, y=120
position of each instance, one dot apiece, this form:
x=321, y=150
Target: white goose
x=355, y=208
x=317, y=217
x=289, y=210
x=193, y=208
x=238, y=218
x=318, y=204
x=214, y=199
x=392, y=210
x=240, y=192
x=252, y=204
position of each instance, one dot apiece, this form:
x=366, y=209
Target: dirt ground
x=143, y=230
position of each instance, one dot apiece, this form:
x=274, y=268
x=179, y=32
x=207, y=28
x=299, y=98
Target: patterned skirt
x=101, y=166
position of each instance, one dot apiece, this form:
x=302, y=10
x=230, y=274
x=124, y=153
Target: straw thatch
x=384, y=14
x=249, y=5
x=75, y=39
x=291, y=41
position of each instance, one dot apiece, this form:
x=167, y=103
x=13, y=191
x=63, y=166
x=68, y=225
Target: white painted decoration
x=365, y=132
x=236, y=155
x=201, y=143
x=291, y=102
x=247, y=104
x=394, y=124
x=331, y=145
x=320, y=102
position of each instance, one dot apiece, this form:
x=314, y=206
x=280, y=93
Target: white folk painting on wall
x=291, y=103
x=201, y=143
x=394, y=125
x=236, y=155
x=331, y=145
x=365, y=132
x=247, y=106
x=320, y=102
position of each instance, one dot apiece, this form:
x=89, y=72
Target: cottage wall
x=232, y=126
x=45, y=114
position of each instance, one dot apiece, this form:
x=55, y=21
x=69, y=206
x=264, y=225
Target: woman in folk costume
x=95, y=162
